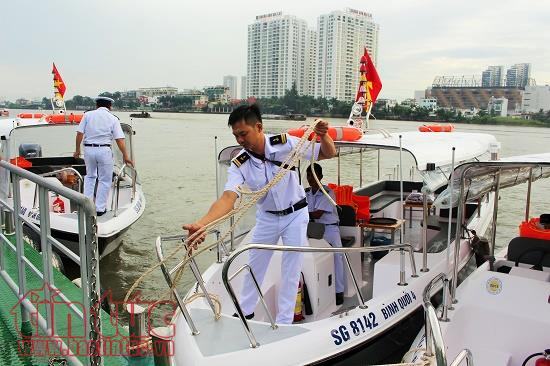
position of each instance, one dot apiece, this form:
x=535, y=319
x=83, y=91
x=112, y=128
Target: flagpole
x=367, y=117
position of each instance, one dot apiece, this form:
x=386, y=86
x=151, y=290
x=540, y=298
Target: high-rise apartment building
x=342, y=35
x=276, y=55
x=518, y=75
x=310, y=62
x=244, y=88
x=493, y=77
x=231, y=82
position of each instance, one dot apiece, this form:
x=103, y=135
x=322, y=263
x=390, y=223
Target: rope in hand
x=242, y=207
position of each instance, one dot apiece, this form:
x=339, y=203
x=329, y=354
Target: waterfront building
x=199, y=98
x=382, y=103
x=493, y=77
x=230, y=81
x=157, y=92
x=466, y=92
x=276, y=55
x=518, y=75
x=536, y=98
x=342, y=36
x=429, y=103
x=498, y=106
x=218, y=93
x=244, y=87
x=310, y=62
x=419, y=95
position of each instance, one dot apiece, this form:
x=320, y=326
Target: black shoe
x=339, y=298
x=248, y=317
x=101, y=213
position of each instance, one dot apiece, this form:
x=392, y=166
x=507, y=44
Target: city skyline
x=126, y=45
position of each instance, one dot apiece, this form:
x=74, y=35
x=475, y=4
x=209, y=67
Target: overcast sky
x=126, y=44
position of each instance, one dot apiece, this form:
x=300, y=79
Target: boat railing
x=88, y=259
x=226, y=278
x=435, y=345
x=54, y=173
x=116, y=186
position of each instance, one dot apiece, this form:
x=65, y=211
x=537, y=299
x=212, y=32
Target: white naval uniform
x=318, y=201
x=99, y=127
x=291, y=228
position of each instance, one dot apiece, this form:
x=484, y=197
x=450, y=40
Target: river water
x=175, y=156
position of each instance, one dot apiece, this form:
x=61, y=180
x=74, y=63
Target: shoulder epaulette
x=239, y=160
x=308, y=189
x=278, y=139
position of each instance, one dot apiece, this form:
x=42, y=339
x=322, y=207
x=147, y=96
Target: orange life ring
x=337, y=133
x=436, y=128
x=31, y=115
x=532, y=229
x=64, y=118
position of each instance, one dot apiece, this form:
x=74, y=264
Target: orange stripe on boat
x=64, y=118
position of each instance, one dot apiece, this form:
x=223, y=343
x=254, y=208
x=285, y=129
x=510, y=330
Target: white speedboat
x=44, y=145
x=382, y=311
x=502, y=310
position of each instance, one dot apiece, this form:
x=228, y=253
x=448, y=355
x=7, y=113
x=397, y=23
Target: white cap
x=104, y=98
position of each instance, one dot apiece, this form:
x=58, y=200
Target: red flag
x=370, y=84
x=58, y=83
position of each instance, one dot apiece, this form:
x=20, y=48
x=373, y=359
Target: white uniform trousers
x=332, y=236
x=292, y=229
x=99, y=165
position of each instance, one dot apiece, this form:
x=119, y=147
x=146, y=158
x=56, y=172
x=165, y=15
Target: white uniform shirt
x=256, y=173
x=318, y=201
x=100, y=126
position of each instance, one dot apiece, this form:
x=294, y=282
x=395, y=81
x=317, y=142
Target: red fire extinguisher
x=298, y=313
x=544, y=360
x=58, y=205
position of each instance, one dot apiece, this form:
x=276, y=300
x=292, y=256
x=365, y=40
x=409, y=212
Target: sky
x=121, y=45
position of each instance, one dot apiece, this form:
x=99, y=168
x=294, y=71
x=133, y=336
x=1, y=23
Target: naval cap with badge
x=103, y=98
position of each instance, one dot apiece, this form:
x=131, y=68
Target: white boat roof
x=8, y=124
x=429, y=147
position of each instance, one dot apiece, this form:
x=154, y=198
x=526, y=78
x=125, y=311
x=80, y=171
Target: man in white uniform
x=280, y=213
x=321, y=210
x=98, y=128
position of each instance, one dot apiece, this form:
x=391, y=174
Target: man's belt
x=97, y=145
x=295, y=207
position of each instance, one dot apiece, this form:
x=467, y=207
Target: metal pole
x=378, y=164
x=402, y=280
x=338, y=167
x=424, y=233
x=357, y=288
x=20, y=250
x=216, y=162
x=528, y=200
x=218, y=251
x=458, y=236
x=137, y=327
x=232, y=235
x=450, y=211
x=361, y=167
x=445, y=310
x=401, y=184
x=163, y=344
x=46, y=255
x=494, y=224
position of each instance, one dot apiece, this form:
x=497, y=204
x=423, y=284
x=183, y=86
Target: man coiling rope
x=263, y=166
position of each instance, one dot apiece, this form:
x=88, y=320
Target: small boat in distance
x=285, y=117
x=142, y=114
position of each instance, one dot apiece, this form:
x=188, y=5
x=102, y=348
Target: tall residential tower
x=231, y=82
x=493, y=77
x=518, y=75
x=342, y=35
x=277, y=46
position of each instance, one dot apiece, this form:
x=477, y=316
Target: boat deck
x=11, y=334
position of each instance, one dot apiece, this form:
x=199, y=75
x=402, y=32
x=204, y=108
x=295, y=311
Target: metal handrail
x=116, y=186
x=464, y=354
x=283, y=248
x=89, y=258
